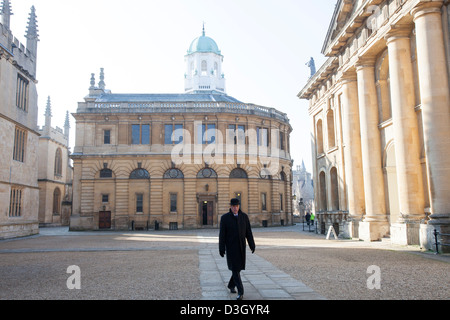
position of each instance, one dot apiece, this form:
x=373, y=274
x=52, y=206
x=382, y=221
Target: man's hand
x=222, y=253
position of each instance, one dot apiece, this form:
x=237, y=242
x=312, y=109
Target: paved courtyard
x=288, y=264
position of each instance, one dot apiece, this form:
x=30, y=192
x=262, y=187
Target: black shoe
x=240, y=297
x=232, y=290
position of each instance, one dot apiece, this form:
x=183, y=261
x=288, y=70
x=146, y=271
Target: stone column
x=435, y=100
x=375, y=224
x=352, y=152
x=406, y=136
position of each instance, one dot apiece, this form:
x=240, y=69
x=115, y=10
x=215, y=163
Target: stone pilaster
x=406, y=138
x=435, y=102
x=375, y=224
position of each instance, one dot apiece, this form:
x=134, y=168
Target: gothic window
x=140, y=174
x=238, y=173
x=20, y=137
x=57, y=201
x=58, y=162
x=15, y=202
x=173, y=174
x=22, y=93
x=207, y=173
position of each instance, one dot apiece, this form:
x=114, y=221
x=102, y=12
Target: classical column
x=406, y=137
x=375, y=224
x=435, y=101
x=352, y=151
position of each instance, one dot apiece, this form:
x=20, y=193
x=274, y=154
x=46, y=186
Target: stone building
x=175, y=160
x=302, y=190
x=19, y=194
x=380, y=117
x=54, y=173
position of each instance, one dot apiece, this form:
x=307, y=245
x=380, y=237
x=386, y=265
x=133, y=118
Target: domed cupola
x=204, y=66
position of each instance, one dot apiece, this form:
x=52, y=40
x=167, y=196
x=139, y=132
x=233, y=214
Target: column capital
x=399, y=31
x=348, y=76
x=365, y=62
x=424, y=8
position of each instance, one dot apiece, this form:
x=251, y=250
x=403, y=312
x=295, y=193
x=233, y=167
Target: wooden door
x=104, y=220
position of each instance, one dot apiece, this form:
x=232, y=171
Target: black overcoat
x=233, y=233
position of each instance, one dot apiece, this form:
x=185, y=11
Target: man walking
x=234, y=230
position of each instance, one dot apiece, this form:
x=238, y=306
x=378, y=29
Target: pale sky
x=141, y=44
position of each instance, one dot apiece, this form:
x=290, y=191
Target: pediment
x=342, y=15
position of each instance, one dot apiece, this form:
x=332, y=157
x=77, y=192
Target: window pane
x=173, y=202
x=139, y=203
x=145, y=138
x=241, y=134
x=178, y=134
x=135, y=133
x=107, y=137
x=211, y=133
x=168, y=128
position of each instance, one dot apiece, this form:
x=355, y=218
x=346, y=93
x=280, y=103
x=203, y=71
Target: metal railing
x=436, y=242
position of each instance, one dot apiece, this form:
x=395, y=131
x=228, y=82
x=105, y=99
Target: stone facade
x=174, y=161
x=380, y=117
x=19, y=194
x=54, y=173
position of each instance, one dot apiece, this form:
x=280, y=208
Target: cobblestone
x=289, y=264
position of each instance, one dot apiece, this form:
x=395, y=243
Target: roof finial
x=101, y=84
x=203, y=28
x=32, y=30
x=6, y=13
x=48, y=109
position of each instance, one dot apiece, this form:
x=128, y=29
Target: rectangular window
x=263, y=201
x=207, y=133
x=107, y=137
x=281, y=140
x=281, y=202
x=140, y=134
x=139, y=202
x=15, y=202
x=262, y=135
x=173, y=133
x=20, y=137
x=173, y=202
x=105, y=198
x=236, y=137
x=22, y=93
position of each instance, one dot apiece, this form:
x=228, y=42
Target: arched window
x=204, y=68
x=238, y=173
x=282, y=176
x=57, y=201
x=173, y=174
x=206, y=173
x=58, y=162
x=140, y=174
x=322, y=192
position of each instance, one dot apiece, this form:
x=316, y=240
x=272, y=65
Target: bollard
x=436, y=240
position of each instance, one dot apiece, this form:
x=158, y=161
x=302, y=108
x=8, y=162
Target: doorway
x=207, y=213
x=104, y=220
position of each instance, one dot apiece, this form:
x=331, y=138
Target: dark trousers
x=235, y=281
